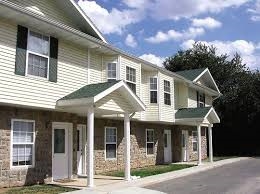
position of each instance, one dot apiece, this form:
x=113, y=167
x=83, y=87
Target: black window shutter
x=204, y=101
x=21, y=47
x=198, y=104
x=53, y=64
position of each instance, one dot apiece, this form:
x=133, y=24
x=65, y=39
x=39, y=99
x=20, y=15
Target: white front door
x=60, y=151
x=167, y=146
x=184, y=144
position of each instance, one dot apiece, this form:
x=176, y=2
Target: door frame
x=186, y=136
x=169, y=133
x=82, y=128
x=70, y=146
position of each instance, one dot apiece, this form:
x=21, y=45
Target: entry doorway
x=167, y=146
x=61, y=150
x=184, y=143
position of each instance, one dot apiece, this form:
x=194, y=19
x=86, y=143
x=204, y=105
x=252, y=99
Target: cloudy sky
x=155, y=29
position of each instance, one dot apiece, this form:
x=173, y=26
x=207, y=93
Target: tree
x=239, y=107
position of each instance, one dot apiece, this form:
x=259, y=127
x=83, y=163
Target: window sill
x=149, y=155
x=21, y=167
x=110, y=159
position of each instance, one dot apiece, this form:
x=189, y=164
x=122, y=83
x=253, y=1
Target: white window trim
x=167, y=93
x=34, y=53
x=153, y=90
x=126, y=75
x=149, y=142
x=114, y=78
x=105, y=144
x=11, y=146
x=192, y=140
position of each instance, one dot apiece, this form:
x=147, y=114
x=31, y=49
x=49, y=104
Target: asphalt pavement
x=240, y=177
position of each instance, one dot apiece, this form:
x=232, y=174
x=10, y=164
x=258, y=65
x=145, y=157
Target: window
x=167, y=92
x=110, y=142
x=22, y=143
x=149, y=141
x=194, y=141
x=37, y=54
x=111, y=72
x=153, y=90
x=201, y=99
x=131, y=78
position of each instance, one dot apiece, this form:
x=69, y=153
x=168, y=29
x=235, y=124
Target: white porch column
x=90, y=147
x=210, y=144
x=127, y=147
x=199, y=144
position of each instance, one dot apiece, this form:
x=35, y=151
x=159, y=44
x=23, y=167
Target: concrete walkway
x=133, y=186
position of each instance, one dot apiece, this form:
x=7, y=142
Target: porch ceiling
x=107, y=98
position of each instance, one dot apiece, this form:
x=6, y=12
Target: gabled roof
x=91, y=94
x=195, y=75
x=89, y=90
x=198, y=113
x=191, y=74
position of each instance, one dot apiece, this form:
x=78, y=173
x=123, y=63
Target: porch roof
x=199, y=114
x=109, y=97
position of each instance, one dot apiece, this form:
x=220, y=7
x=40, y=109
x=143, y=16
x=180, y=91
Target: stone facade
x=43, y=144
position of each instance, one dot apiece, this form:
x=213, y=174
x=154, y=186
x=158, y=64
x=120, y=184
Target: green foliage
x=239, y=107
x=151, y=170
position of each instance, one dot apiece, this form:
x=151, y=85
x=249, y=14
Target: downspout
x=132, y=115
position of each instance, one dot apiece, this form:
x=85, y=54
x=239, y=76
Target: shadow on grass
x=39, y=189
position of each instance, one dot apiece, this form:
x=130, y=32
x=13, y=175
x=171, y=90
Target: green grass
x=151, y=170
x=39, y=189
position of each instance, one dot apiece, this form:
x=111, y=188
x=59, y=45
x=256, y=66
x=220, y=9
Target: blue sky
x=155, y=29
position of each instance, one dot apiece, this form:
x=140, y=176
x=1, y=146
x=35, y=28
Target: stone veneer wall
x=43, y=144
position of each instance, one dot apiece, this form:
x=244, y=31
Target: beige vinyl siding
x=182, y=96
x=46, y=8
x=114, y=102
x=208, y=100
x=192, y=101
x=95, y=68
x=152, y=110
x=128, y=62
x=37, y=92
x=166, y=111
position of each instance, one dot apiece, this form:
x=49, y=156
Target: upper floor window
x=131, y=78
x=23, y=135
x=110, y=142
x=153, y=90
x=200, y=99
x=111, y=72
x=38, y=54
x=167, y=92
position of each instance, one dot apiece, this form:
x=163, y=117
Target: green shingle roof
x=191, y=74
x=199, y=112
x=89, y=90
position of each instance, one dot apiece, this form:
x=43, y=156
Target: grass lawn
x=151, y=170
x=39, y=189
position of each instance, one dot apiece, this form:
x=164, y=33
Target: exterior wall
x=181, y=97
x=166, y=111
x=47, y=9
x=192, y=100
x=37, y=92
x=95, y=68
x=194, y=155
x=152, y=110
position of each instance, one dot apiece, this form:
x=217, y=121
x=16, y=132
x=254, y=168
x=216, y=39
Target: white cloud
x=140, y=4
x=153, y=59
x=175, y=35
x=207, y=22
x=130, y=41
x=114, y=21
x=247, y=50
x=255, y=11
